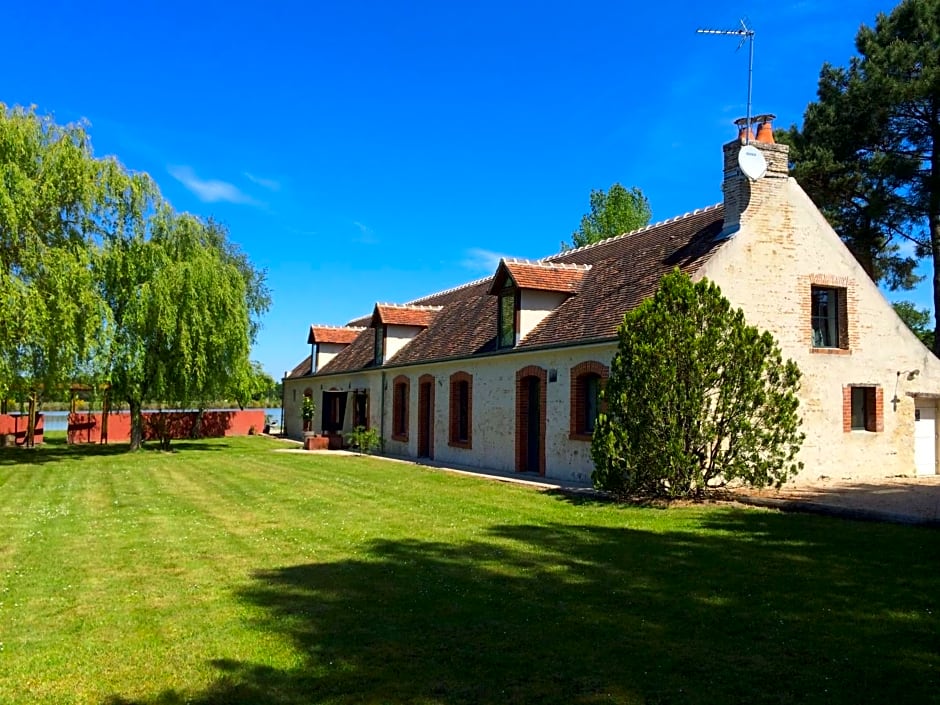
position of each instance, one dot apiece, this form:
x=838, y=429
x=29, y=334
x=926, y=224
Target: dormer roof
x=539, y=275
x=404, y=315
x=342, y=335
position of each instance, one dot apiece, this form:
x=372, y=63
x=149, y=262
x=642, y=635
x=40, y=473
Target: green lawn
x=228, y=573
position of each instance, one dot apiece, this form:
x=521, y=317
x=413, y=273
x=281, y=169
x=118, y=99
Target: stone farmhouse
x=504, y=372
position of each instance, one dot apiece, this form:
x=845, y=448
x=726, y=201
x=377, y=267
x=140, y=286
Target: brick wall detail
x=523, y=418
x=576, y=408
x=848, y=312
x=874, y=408
x=454, y=411
x=426, y=411
x=400, y=408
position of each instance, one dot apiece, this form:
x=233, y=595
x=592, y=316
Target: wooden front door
x=426, y=418
x=530, y=420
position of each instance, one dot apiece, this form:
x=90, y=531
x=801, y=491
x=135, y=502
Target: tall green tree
x=867, y=152
x=57, y=202
x=183, y=338
x=101, y=281
x=613, y=213
x=696, y=398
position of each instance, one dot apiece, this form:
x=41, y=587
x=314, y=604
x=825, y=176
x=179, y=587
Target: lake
x=59, y=420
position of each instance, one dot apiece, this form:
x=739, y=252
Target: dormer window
x=527, y=292
x=507, y=317
x=396, y=325
x=326, y=342
x=379, y=344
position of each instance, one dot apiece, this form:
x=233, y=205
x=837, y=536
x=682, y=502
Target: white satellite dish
x=752, y=162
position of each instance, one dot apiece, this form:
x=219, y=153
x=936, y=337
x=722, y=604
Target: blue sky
x=380, y=151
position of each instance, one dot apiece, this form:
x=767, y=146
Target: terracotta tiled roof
x=301, y=370
x=542, y=276
x=358, y=355
x=623, y=271
x=404, y=315
x=626, y=270
x=466, y=326
x=343, y=335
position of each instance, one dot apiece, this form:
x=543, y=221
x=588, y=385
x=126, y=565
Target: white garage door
x=925, y=443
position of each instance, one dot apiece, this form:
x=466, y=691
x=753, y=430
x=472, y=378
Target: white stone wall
x=493, y=421
x=534, y=306
x=397, y=337
x=767, y=269
x=327, y=351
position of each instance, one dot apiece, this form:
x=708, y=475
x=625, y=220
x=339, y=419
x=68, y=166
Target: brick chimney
x=753, y=202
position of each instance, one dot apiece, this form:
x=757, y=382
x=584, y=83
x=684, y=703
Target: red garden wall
x=87, y=428
x=15, y=425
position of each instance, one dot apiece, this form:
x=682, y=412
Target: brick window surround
x=460, y=432
x=869, y=399
x=847, y=304
x=523, y=420
x=401, y=391
x=580, y=374
x=426, y=416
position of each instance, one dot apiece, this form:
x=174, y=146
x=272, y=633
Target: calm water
x=59, y=420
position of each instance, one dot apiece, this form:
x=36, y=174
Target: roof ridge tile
x=475, y=282
x=412, y=307
x=332, y=327
x=645, y=228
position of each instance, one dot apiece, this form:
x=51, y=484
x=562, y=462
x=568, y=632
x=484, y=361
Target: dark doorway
x=361, y=409
x=530, y=419
x=334, y=411
x=533, y=408
x=426, y=417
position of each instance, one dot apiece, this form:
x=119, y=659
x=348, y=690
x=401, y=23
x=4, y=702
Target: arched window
x=400, y=393
x=587, y=381
x=461, y=410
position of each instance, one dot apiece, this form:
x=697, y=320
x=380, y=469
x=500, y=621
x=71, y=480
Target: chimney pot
x=745, y=133
x=765, y=133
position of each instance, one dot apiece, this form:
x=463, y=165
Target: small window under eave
x=379, y=350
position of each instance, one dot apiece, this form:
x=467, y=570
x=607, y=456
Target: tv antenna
x=747, y=35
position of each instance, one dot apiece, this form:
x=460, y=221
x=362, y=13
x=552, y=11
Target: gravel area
x=913, y=500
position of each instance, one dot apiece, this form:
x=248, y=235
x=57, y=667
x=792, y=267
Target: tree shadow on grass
x=746, y=607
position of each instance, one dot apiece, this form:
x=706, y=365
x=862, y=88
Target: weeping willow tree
x=184, y=337
x=101, y=281
x=57, y=204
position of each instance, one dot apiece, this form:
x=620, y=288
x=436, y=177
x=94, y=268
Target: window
x=828, y=316
x=379, y=345
x=400, y=391
x=592, y=399
x=507, y=318
x=587, y=381
x=461, y=410
x=862, y=408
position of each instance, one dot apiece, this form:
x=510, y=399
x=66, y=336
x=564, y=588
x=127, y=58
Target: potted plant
x=306, y=413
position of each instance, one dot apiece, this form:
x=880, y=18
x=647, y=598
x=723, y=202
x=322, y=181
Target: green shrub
x=696, y=398
x=364, y=440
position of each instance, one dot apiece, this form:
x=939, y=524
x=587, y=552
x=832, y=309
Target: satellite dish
x=752, y=162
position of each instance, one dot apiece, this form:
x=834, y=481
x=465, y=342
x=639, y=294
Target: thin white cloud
x=269, y=184
x=366, y=234
x=480, y=260
x=210, y=190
